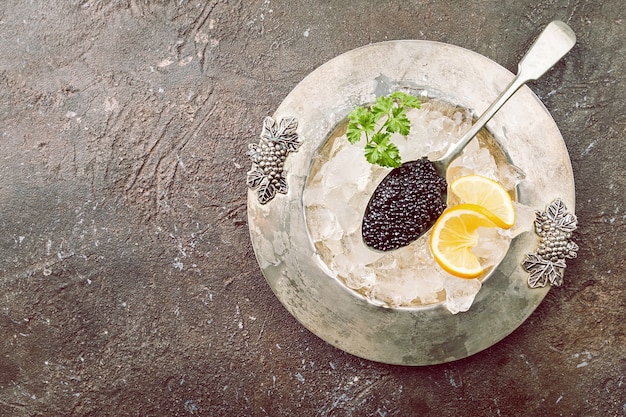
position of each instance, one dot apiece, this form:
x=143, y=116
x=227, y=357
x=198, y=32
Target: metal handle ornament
x=554, y=227
x=267, y=175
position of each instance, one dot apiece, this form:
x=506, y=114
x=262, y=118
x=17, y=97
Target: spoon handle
x=552, y=44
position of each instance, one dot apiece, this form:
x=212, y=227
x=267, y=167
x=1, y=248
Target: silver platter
x=408, y=336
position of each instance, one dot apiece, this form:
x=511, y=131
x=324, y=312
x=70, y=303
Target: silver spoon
x=387, y=225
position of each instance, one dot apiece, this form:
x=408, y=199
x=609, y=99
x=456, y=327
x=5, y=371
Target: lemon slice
x=484, y=192
x=454, y=235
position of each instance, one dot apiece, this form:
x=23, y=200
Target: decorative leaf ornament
x=554, y=227
x=267, y=175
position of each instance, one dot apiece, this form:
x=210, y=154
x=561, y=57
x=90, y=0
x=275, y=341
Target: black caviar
x=405, y=205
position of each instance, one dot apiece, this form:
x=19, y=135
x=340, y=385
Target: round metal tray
x=408, y=336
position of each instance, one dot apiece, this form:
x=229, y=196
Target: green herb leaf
x=391, y=157
x=353, y=133
x=356, y=113
x=360, y=121
x=398, y=122
x=381, y=151
x=363, y=120
x=406, y=100
x=383, y=106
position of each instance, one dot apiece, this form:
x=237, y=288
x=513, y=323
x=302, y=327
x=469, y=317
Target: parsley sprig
x=379, y=149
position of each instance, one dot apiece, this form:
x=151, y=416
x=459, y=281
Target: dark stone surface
x=128, y=285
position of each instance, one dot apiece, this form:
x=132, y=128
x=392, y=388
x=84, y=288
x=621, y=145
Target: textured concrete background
x=128, y=285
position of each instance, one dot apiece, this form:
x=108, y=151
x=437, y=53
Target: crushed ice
x=339, y=188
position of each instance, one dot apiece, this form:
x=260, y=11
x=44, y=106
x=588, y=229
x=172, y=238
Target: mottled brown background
x=128, y=285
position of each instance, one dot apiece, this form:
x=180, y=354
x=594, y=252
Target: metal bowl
x=523, y=128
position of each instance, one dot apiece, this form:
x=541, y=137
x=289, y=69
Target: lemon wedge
x=488, y=194
x=454, y=235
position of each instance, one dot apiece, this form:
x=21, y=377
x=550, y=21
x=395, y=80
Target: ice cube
x=323, y=225
x=387, y=293
x=428, y=284
x=431, y=284
x=348, y=217
x=491, y=247
x=348, y=169
x=421, y=256
x=460, y=293
x=336, y=201
x=385, y=263
x=509, y=176
x=474, y=160
x=357, y=252
x=524, y=220
x=313, y=196
x=360, y=277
